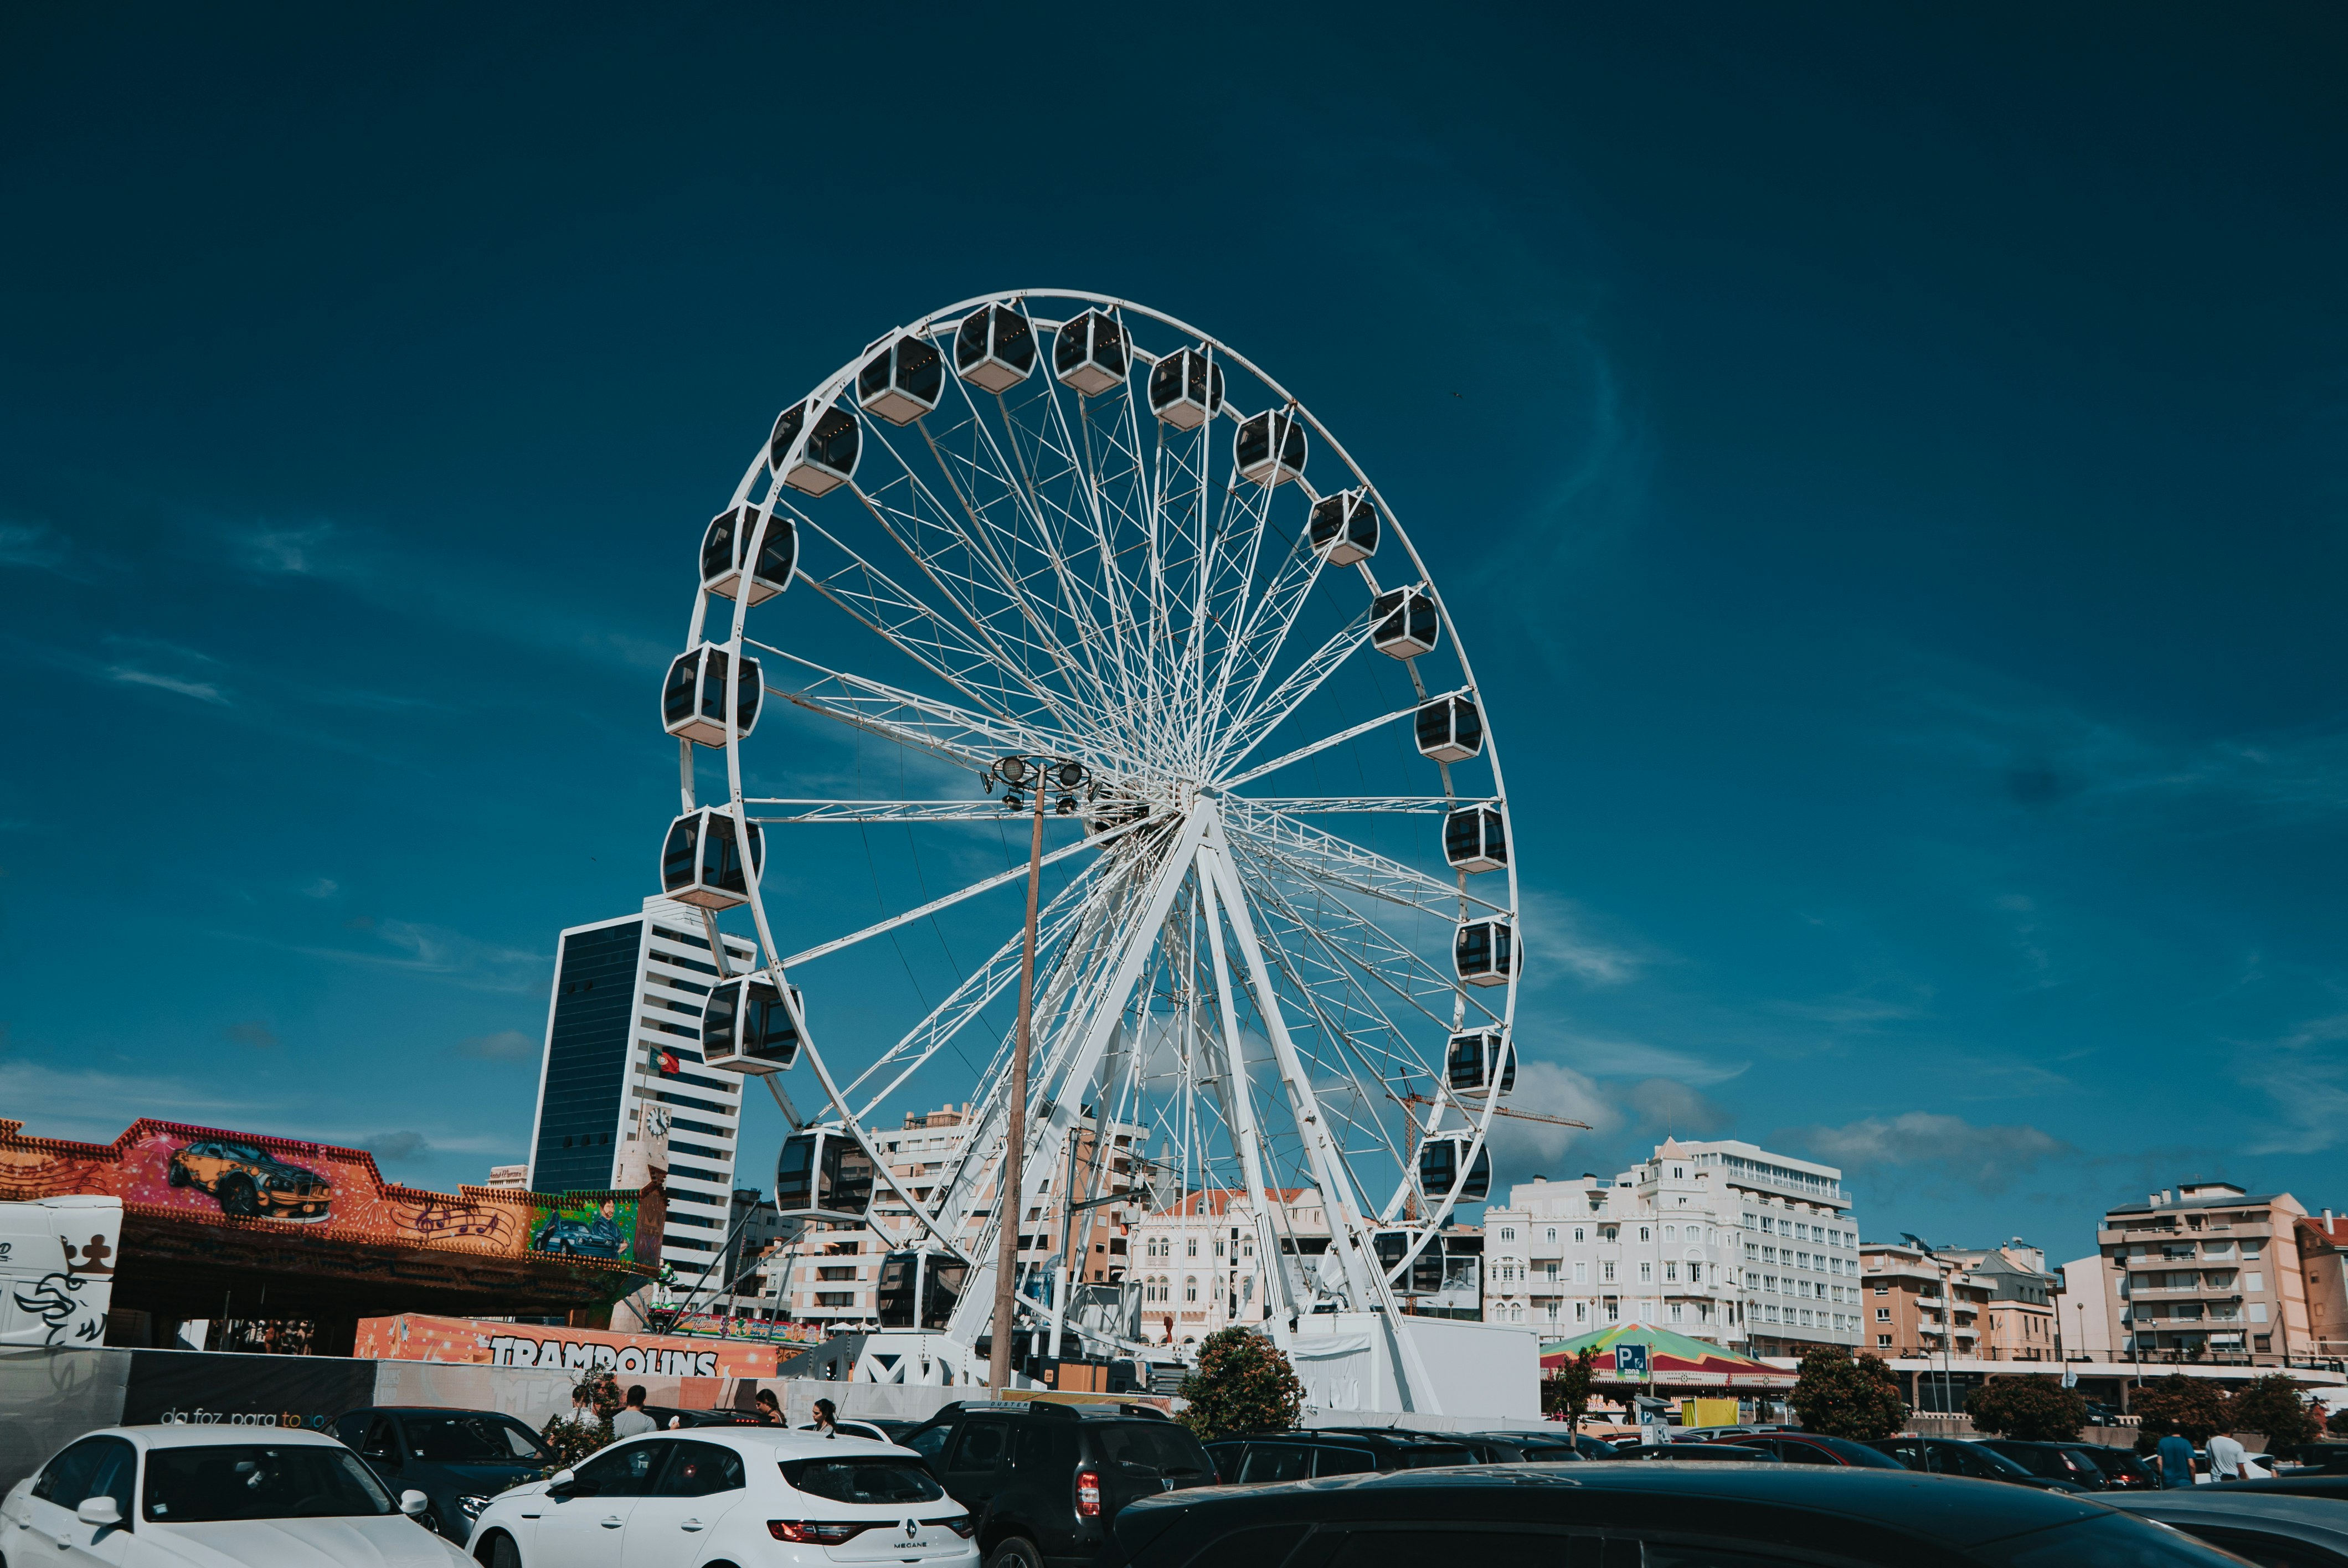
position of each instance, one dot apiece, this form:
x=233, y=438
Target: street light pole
x=1035, y=774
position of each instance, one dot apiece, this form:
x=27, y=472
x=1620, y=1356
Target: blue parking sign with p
x=1630, y=1361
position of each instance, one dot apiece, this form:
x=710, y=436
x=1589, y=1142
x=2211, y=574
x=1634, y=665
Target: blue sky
x=1890, y=467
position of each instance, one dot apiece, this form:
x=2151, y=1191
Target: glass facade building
x=622, y=1073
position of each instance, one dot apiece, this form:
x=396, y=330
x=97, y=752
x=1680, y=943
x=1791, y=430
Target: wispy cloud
x=1986, y=1158
x=420, y=949
x=505, y=1045
x=1561, y=937
x=323, y=887
x=35, y=547
x=252, y=1033
x=2306, y=1075
x=1617, y=1057
x=203, y=691
x=96, y=1106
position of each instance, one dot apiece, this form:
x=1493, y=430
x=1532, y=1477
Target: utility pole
x=1037, y=774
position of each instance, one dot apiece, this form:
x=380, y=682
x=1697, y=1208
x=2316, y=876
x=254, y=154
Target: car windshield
x=877, y=1480
x=473, y=1437
x=1860, y=1454
x=258, y=1481
x=1435, y=1455
x=1164, y=1447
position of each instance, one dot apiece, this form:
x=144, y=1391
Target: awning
x=1674, y=1360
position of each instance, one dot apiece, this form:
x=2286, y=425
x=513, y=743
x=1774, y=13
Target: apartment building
x=2020, y=1312
x=2323, y=1261
x=2090, y=1315
x=1720, y=1240
x=1196, y=1259
x=1920, y=1305
x=2207, y=1270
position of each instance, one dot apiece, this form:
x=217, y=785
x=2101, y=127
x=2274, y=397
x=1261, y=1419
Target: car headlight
x=470, y=1507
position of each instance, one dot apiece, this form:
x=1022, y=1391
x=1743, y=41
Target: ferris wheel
x=1051, y=555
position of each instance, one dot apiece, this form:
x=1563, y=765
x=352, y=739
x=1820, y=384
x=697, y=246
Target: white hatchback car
x=213, y=1497
x=743, y=1496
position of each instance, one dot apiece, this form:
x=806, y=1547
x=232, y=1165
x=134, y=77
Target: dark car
x=1046, y=1478
x=2122, y=1468
x=248, y=1181
x=1949, y=1456
x=1643, y=1516
x=2054, y=1461
x=1813, y=1448
x=2274, y=1530
x=1537, y=1447
x=1690, y=1454
x=458, y=1459
x=1330, y=1450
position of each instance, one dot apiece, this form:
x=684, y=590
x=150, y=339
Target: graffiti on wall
x=212, y=1176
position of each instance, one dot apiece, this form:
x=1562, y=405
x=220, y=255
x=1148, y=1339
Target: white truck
x=56, y=1270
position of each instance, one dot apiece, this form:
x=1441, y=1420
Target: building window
x=1577, y=1233
x=1643, y=1235
x=1609, y=1233
x=1883, y=1342
x=1507, y=1232
x=1606, y=1270
x=1193, y=1247
x=1671, y=1272
x=1671, y=1233
x=1882, y=1290
x=1553, y=1236
x=1580, y=1273
x=1190, y=1286
x=1582, y=1312
x=1675, y=1312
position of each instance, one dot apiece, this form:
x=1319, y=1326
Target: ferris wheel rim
x=834, y=389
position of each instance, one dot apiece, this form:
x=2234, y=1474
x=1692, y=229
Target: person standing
x=770, y=1414
x=633, y=1421
x=2175, y=1456
x=2225, y=1458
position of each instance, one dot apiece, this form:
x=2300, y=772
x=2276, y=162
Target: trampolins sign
x=592, y=1356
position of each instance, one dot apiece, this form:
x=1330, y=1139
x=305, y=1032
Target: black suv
x=1046, y=1478
x=1328, y=1450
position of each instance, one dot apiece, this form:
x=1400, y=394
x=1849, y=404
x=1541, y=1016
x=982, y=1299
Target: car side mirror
x=413, y=1502
x=100, y=1510
x=558, y=1484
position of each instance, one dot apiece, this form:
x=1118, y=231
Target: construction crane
x=1499, y=1111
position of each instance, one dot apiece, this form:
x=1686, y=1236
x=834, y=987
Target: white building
x=622, y=1044
x=1196, y=1259
x=1720, y=1240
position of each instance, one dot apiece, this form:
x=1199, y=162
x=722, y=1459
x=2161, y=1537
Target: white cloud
x=1986, y=1158
x=323, y=887
x=505, y=1045
x=34, y=545
x=95, y=1106
x=203, y=691
x=1560, y=939
x=2307, y=1076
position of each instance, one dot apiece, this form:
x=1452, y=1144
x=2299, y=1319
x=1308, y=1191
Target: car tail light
x=821, y=1533
x=1088, y=1494
x=962, y=1524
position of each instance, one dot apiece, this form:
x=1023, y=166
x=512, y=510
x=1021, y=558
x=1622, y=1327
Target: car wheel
x=497, y=1552
x=238, y=1196
x=1014, y=1551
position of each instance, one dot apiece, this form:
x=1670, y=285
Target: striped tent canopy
x=1672, y=1360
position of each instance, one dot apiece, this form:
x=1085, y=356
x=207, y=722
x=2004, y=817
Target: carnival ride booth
x=824, y=459
x=904, y=379
x=1403, y=624
x=1449, y=729
x=729, y=535
x=1485, y=952
x=1444, y=1160
x=190, y=1248
x=1345, y=528
x=994, y=348
x=1480, y=1063
x=1186, y=389
x=701, y=859
x=824, y=1175
x=1476, y=838
x=692, y=698
x=1091, y=353
x=746, y=1027
x=918, y=1288
x=1269, y=448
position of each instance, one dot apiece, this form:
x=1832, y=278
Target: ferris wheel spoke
x=1249, y=730
x=1337, y=805
x=872, y=598
x=807, y=810
x=1255, y=650
x=943, y=728
x=1327, y=859
x=1316, y=747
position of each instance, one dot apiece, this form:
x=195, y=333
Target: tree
x=1242, y=1384
x=2338, y=1425
x=1568, y=1388
x=2274, y=1406
x=2036, y=1408
x=1846, y=1398
x=595, y=1400
x=2191, y=1407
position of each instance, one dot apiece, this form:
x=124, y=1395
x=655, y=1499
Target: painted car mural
x=587, y=1231
x=249, y=1181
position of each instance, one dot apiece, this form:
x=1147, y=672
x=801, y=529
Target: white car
x=213, y=1497
x=749, y=1496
